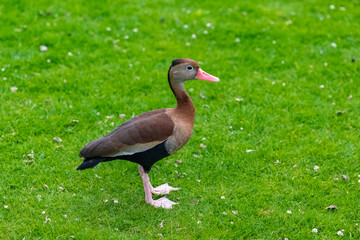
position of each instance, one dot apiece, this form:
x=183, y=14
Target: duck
x=149, y=137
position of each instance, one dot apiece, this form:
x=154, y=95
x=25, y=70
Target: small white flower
x=239, y=99
x=208, y=25
x=135, y=30
x=273, y=42
x=284, y=84
x=250, y=150
x=121, y=115
x=126, y=37
x=340, y=233
x=187, y=44
x=65, y=216
x=43, y=48
x=70, y=54
x=186, y=26
x=288, y=212
x=108, y=29
x=193, y=35
x=316, y=168
x=202, y=145
x=332, y=6
x=105, y=201
x=277, y=162
x=333, y=45
x=314, y=230
x=43, y=212
x=198, y=222
x=206, y=32
x=325, y=64
x=116, y=201
x=61, y=188
x=237, y=39
x=241, y=128
x=13, y=89
x=4, y=78
x=6, y=206
x=321, y=86
x=224, y=213
x=3, y=69
x=48, y=60
x=359, y=180
x=222, y=197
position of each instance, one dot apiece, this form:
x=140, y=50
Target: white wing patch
x=136, y=148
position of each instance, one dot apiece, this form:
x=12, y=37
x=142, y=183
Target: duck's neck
x=185, y=105
x=183, y=99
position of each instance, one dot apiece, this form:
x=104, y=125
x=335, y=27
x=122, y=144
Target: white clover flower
x=43, y=48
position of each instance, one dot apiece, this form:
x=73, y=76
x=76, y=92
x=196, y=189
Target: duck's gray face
x=189, y=69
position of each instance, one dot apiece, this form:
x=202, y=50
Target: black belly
x=146, y=158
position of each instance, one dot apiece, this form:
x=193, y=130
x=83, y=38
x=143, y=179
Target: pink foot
x=163, y=189
x=163, y=202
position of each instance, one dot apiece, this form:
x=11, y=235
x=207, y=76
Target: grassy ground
x=289, y=90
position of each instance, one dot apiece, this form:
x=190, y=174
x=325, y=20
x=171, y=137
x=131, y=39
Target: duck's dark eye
x=189, y=67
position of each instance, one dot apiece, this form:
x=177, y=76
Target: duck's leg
x=161, y=202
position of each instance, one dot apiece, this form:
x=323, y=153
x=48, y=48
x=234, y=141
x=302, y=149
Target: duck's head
x=184, y=69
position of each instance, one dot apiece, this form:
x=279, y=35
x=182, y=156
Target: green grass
x=284, y=55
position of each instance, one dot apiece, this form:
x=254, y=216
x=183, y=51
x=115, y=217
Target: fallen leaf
x=331, y=207
x=57, y=139
x=344, y=177
x=161, y=225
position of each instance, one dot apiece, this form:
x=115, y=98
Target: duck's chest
x=181, y=135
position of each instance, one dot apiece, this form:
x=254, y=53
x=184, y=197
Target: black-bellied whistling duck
x=151, y=136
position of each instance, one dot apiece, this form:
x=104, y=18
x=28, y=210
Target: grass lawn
x=289, y=91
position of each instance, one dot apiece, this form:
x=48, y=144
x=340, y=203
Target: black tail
x=90, y=163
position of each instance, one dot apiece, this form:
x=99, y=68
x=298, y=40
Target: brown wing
x=135, y=135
